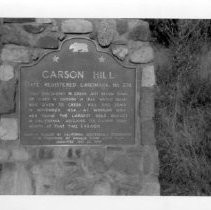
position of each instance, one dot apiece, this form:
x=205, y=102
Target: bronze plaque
x=77, y=96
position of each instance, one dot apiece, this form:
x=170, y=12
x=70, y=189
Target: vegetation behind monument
x=183, y=102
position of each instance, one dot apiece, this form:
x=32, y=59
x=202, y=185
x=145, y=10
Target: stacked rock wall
x=73, y=170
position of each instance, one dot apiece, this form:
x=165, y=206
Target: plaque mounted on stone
x=77, y=95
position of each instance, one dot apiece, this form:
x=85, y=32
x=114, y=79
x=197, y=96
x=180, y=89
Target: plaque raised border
x=100, y=50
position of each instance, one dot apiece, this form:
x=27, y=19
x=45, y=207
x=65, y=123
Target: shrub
x=183, y=102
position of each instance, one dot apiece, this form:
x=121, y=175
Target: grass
x=183, y=105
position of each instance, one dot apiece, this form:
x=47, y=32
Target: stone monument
x=77, y=107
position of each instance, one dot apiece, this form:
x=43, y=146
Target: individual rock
x=6, y=72
x=103, y=188
x=8, y=129
x=149, y=178
x=139, y=30
x=4, y=155
x=95, y=165
x=45, y=153
x=61, y=36
x=18, y=20
x=94, y=161
x=55, y=28
x=37, y=53
x=125, y=165
x=77, y=186
x=97, y=153
x=143, y=55
x=14, y=34
x=120, y=52
x=43, y=20
x=16, y=181
x=156, y=165
x=93, y=35
x=135, y=152
x=120, y=39
x=150, y=188
x=14, y=53
x=129, y=186
x=76, y=26
x=78, y=152
x=70, y=163
x=106, y=32
x=147, y=134
x=19, y=154
x=7, y=96
x=150, y=159
x=23, y=181
x=148, y=76
x=34, y=28
x=7, y=179
x=147, y=105
x=44, y=183
x=60, y=152
x=122, y=26
x=114, y=148
x=48, y=42
x=48, y=176
x=70, y=153
x=147, y=162
x=26, y=35
x=136, y=45
x=132, y=23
